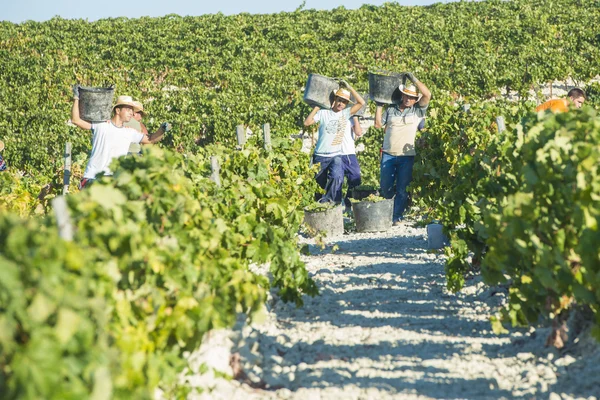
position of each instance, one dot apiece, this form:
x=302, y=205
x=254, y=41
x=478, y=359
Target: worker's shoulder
x=554, y=105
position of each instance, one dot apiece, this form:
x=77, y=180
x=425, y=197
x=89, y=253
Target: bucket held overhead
x=384, y=87
x=95, y=103
x=319, y=91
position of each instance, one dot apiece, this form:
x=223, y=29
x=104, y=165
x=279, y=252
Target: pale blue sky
x=42, y=10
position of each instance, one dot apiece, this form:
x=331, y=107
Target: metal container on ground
x=95, y=103
x=329, y=221
x=319, y=91
x=435, y=236
x=384, y=87
x=372, y=216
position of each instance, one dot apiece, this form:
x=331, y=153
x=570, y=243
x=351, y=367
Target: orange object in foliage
x=556, y=105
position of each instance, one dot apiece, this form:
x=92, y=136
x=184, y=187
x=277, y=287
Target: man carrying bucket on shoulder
x=401, y=122
x=334, y=125
x=110, y=139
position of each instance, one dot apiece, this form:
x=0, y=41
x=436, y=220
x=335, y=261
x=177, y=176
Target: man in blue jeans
x=401, y=122
x=334, y=125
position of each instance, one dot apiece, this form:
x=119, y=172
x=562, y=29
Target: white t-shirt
x=333, y=127
x=108, y=142
x=348, y=142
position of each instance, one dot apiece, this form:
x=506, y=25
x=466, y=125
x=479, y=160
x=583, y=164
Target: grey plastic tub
x=95, y=103
x=373, y=216
x=319, y=91
x=383, y=87
x=329, y=222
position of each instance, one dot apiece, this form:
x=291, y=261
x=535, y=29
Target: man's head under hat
x=138, y=111
x=341, y=100
x=124, y=108
x=409, y=95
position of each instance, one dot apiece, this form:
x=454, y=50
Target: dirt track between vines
x=385, y=327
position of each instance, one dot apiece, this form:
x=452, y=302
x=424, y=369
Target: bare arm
x=311, y=117
x=154, y=137
x=426, y=93
x=360, y=102
x=378, y=113
x=358, y=132
x=75, y=119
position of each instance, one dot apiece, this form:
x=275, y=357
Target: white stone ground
x=385, y=327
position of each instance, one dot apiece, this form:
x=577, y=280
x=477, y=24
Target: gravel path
x=385, y=327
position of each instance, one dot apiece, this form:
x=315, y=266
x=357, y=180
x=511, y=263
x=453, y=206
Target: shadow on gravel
x=390, y=297
x=406, y=246
x=381, y=295
x=319, y=367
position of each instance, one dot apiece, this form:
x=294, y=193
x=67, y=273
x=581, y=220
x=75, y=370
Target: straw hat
x=124, y=101
x=343, y=94
x=1, y=145
x=138, y=107
x=410, y=90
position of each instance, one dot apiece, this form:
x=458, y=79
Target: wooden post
x=241, y=136
x=214, y=166
x=67, y=171
x=63, y=218
x=267, y=136
x=501, y=124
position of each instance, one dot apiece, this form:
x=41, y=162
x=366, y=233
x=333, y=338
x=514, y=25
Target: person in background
x=110, y=139
x=2, y=162
x=137, y=124
x=349, y=160
x=401, y=122
x=575, y=98
x=334, y=125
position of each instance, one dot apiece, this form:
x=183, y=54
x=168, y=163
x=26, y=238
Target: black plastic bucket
x=384, y=87
x=329, y=222
x=95, y=103
x=373, y=216
x=319, y=91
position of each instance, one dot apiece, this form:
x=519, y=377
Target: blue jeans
x=330, y=177
x=396, y=174
x=352, y=172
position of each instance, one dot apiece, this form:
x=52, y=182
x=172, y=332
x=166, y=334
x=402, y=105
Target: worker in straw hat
x=110, y=139
x=401, y=122
x=136, y=123
x=334, y=125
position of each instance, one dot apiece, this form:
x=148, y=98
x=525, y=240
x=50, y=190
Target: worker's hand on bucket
x=165, y=126
x=411, y=77
x=76, y=91
x=344, y=84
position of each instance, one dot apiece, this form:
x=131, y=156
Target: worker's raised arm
x=311, y=117
x=360, y=102
x=75, y=119
x=424, y=90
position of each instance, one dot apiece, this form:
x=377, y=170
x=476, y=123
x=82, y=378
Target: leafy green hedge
x=521, y=206
x=210, y=73
x=160, y=257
